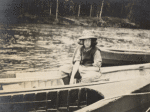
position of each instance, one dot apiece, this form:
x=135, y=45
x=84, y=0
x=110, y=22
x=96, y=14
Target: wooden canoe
x=32, y=80
x=52, y=78
x=123, y=80
x=113, y=57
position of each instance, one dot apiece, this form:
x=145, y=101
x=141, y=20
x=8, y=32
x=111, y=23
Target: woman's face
x=87, y=43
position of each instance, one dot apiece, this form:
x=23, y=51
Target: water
x=43, y=47
x=30, y=48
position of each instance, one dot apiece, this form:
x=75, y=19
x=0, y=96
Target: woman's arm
x=76, y=62
x=97, y=59
x=74, y=71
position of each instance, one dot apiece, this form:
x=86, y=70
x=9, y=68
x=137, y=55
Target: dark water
x=30, y=48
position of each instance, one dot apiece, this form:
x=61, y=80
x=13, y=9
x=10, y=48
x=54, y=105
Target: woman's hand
x=98, y=64
x=72, y=81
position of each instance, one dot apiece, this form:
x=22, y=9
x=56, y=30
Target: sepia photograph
x=74, y=55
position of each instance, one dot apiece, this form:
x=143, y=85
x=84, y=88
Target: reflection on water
x=33, y=48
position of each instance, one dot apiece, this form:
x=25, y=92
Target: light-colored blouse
x=77, y=56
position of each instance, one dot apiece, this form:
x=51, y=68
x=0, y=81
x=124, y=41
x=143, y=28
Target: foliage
x=136, y=11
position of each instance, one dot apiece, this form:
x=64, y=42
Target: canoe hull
x=68, y=97
x=113, y=62
x=65, y=100
x=114, y=58
x=32, y=84
x=128, y=103
x=32, y=80
x=72, y=98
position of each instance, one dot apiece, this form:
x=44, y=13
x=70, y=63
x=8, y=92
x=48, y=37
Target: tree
x=100, y=15
x=57, y=11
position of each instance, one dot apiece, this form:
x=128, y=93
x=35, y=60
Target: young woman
x=86, y=61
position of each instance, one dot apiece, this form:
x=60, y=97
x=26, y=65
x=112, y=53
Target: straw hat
x=87, y=35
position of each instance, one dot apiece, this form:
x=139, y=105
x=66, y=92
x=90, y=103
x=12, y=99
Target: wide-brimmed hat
x=87, y=34
x=87, y=37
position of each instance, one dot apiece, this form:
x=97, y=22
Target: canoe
x=53, y=78
x=32, y=80
x=113, y=57
x=123, y=80
x=62, y=99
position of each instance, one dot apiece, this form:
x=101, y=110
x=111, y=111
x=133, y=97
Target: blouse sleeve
x=97, y=57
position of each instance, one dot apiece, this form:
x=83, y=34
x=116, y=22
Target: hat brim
x=87, y=37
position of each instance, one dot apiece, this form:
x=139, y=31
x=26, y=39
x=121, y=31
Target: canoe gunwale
x=54, y=88
x=117, y=51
